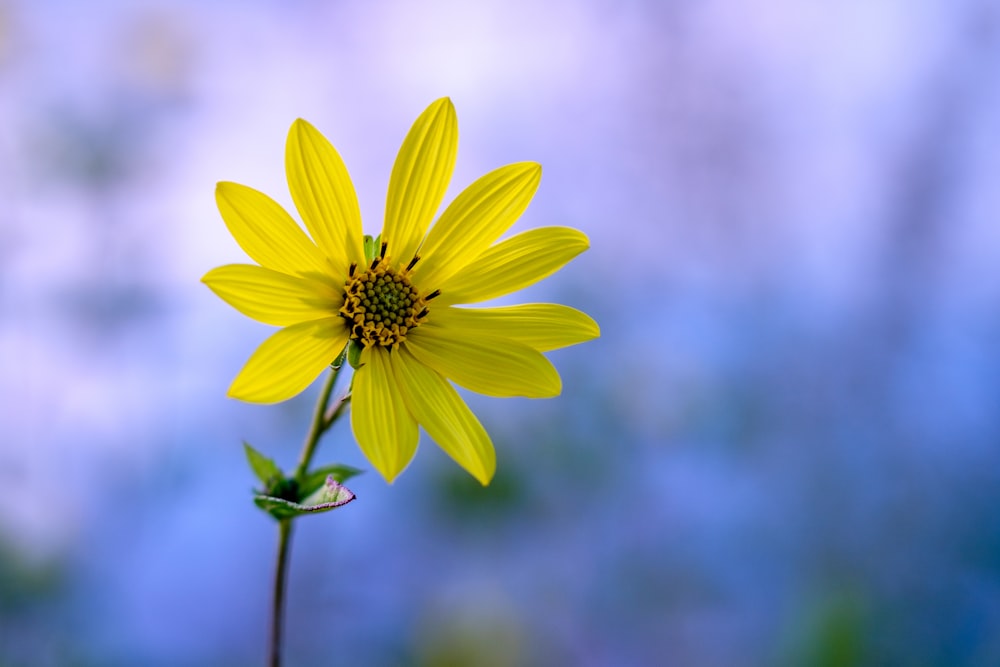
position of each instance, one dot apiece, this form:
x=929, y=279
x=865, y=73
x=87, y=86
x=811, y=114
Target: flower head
x=399, y=301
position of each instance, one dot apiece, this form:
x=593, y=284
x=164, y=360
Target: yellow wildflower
x=399, y=304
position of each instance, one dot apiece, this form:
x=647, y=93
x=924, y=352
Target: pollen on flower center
x=381, y=305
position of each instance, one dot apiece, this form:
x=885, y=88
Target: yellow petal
x=324, y=195
x=267, y=233
x=419, y=179
x=542, y=326
x=488, y=365
x=288, y=362
x=383, y=427
x=444, y=415
x=477, y=218
x=273, y=297
x=514, y=264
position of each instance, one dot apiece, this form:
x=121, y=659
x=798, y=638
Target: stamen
x=413, y=262
x=375, y=263
x=436, y=293
x=350, y=271
x=381, y=253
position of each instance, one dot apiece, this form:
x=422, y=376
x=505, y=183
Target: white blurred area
x=793, y=212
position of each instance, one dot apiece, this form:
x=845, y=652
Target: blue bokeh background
x=784, y=449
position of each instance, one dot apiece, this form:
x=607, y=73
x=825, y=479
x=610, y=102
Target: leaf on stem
x=331, y=495
x=266, y=469
x=317, y=477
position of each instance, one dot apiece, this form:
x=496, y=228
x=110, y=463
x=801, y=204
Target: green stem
x=318, y=427
x=335, y=411
x=278, y=611
x=321, y=422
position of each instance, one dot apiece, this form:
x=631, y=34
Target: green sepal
x=339, y=361
x=330, y=495
x=266, y=469
x=317, y=477
x=372, y=247
x=354, y=349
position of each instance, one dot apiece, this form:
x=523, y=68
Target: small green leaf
x=266, y=469
x=330, y=495
x=373, y=247
x=316, y=478
x=354, y=349
x=339, y=361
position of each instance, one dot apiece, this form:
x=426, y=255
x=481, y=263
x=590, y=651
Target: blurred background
x=784, y=449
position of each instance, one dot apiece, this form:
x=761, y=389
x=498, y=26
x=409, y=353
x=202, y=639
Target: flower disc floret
x=381, y=306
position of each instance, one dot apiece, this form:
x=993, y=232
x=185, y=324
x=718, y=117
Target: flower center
x=380, y=305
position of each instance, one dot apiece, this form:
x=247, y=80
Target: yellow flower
x=399, y=305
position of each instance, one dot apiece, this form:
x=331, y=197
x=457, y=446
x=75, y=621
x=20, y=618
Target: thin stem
x=321, y=422
x=278, y=608
x=319, y=425
x=333, y=414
